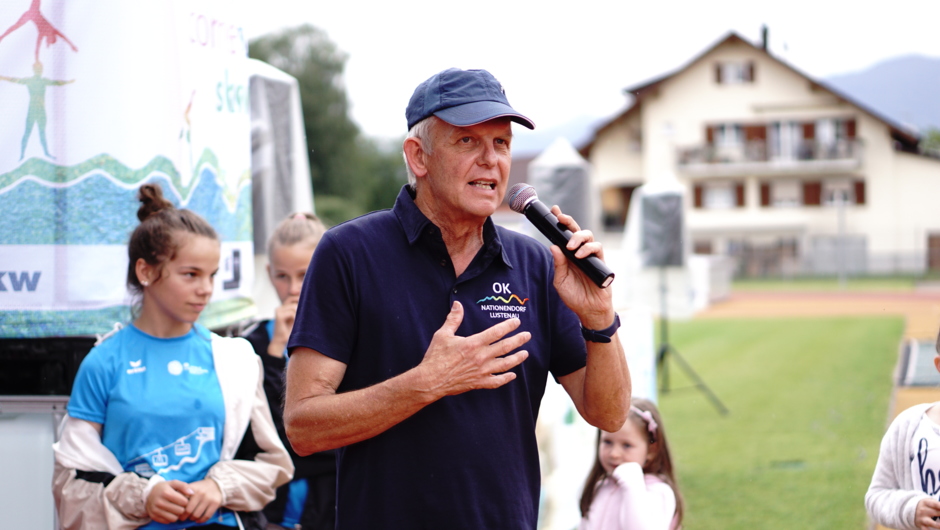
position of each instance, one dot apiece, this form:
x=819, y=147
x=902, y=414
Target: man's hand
x=453, y=365
x=168, y=500
x=926, y=512
x=318, y=418
x=283, y=324
x=203, y=502
x=592, y=304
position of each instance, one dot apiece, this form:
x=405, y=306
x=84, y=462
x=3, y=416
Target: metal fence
x=851, y=261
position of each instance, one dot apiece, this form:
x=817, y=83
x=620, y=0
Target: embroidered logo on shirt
x=177, y=368
x=503, y=304
x=136, y=367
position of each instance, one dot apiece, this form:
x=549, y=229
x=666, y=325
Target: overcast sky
x=559, y=61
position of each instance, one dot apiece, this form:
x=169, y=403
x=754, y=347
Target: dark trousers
x=319, y=508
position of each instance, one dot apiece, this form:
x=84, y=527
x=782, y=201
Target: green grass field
x=808, y=402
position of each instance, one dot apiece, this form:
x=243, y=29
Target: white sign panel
x=98, y=97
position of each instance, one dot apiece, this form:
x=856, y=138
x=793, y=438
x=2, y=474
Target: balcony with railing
x=760, y=157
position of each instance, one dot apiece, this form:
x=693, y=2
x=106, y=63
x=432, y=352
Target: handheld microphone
x=522, y=199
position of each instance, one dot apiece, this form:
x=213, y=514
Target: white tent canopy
x=280, y=169
x=560, y=175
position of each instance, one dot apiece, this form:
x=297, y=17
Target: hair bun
x=151, y=201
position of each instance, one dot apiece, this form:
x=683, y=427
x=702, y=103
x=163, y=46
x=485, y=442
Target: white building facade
x=783, y=174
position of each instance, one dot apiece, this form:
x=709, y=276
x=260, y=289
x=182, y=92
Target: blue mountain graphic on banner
x=95, y=202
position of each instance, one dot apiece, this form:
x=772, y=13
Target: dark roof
x=906, y=140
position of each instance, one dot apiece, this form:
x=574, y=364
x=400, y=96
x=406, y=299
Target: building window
x=734, y=72
x=933, y=252
x=786, y=193
x=726, y=141
x=784, y=140
x=615, y=205
x=851, y=191
x=781, y=193
x=725, y=135
x=834, y=138
x=729, y=135
x=837, y=192
x=719, y=195
x=702, y=246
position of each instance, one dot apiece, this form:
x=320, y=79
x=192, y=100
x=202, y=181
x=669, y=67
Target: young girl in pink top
x=632, y=485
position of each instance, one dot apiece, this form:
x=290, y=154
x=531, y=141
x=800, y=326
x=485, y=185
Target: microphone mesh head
x=520, y=195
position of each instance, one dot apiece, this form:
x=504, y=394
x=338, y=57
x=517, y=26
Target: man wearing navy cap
x=425, y=334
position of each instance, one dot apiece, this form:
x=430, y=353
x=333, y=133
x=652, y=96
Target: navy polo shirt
x=377, y=289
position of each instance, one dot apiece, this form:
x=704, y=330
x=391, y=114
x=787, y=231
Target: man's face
x=468, y=170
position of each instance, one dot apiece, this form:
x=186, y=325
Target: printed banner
x=96, y=98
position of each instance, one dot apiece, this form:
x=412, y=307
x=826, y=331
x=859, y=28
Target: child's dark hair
x=155, y=238
x=660, y=465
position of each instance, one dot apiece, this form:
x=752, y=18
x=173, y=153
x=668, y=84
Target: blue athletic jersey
x=159, y=403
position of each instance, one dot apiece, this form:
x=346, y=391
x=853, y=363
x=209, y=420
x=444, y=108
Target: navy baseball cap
x=462, y=98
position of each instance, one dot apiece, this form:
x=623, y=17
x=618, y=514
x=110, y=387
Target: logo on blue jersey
x=169, y=458
x=177, y=368
x=136, y=367
x=503, y=303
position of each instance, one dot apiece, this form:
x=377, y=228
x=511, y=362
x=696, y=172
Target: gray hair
x=421, y=131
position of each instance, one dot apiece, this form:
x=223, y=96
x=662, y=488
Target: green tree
x=930, y=143
x=351, y=174
x=383, y=173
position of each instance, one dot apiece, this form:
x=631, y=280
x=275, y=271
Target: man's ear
x=936, y=361
x=415, y=156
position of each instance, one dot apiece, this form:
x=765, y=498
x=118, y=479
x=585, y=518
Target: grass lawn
x=808, y=402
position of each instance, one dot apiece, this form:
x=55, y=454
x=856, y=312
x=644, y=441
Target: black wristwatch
x=601, y=335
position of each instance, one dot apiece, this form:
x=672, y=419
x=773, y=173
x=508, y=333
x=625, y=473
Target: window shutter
x=850, y=128
x=718, y=73
x=710, y=134
x=812, y=193
x=859, y=191
x=809, y=131
x=765, y=194
x=697, y=193
x=702, y=247
x=755, y=132
x=749, y=72
x=739, y=194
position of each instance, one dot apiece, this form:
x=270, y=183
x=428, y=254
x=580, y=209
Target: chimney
x=763, y=37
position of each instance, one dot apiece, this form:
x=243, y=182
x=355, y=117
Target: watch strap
x=601, y=335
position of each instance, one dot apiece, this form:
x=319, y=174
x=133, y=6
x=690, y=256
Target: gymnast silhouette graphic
x=46, y=30
x=36, y=85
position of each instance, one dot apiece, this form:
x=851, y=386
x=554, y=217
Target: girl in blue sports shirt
x=168, y=425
